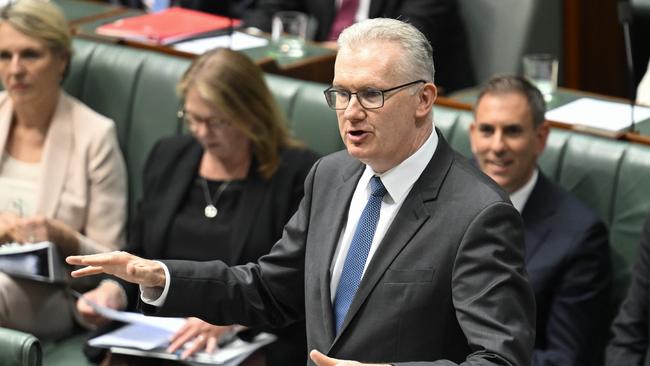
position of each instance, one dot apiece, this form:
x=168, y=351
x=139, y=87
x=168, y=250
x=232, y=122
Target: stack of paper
x=598, y=114
x=149, y=336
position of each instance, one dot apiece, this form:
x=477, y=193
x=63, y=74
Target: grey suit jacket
x=447, y=284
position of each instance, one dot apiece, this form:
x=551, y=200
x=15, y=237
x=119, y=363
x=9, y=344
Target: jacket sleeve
x=629, y=344
x=577, y=315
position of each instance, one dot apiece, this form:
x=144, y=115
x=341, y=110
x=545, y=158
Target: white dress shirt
x=520, y=196
x=398, y=182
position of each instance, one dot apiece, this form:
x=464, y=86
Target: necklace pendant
x=210, y=211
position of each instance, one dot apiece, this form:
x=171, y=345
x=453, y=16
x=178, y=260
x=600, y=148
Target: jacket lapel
x=253, y=193
x=535, y=213
x=172, y=192
x=59, y=144
x=337, y=210
x=415, y=211
x=5, y=122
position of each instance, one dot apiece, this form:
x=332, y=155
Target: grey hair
x=418, y=54
x=504, y=84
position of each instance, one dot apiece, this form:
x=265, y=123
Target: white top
x=18, y=186
x=643, y=90
x=398, y=182
x=520, y=196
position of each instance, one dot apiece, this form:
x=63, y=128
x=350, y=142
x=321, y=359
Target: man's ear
x=427, y=97
x=542, y=136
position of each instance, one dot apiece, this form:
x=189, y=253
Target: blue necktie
x=358, y=252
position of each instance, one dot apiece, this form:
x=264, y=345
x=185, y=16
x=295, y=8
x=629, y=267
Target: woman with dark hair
x=62, y=176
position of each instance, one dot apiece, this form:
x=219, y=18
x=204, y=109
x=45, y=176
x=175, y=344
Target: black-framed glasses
x=369, y=98
x=192, y=121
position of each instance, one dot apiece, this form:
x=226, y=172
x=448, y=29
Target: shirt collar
x=399, y=179
x=520, y=196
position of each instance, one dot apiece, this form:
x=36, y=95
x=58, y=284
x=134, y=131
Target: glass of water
x=541, y=69
x=289, y=30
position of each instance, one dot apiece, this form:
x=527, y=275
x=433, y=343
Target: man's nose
x=498, y=145
x=354, y=110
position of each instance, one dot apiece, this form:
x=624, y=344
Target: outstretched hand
x=322, y=360
x=126, y=266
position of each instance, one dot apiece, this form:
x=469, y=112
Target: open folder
x=37, y=261
x=149, y=336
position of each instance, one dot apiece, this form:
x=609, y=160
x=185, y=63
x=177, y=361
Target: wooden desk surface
x=317, y=65
x=464, y=100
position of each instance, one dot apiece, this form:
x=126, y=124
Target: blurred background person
x=62, y=176
x=630, y=344
x=222, y=192
x=567, y=248
x=439, y=20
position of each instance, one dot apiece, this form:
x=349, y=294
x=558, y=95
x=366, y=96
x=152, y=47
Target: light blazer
x=446, y=285
x=439, y=20
x=83, y=178
x=569, y=266
x=630, y=344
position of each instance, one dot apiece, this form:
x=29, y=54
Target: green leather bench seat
x=19, y=349
x=610, y=176
x=136, y=89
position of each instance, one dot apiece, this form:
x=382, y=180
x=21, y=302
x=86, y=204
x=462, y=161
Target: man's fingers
x=211, y=344
x=197, y=344
x=75, y=260
x=87, y=271
x=322, y=360
x=179, y=339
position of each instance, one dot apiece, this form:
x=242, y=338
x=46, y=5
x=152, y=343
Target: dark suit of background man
x=444, y=279
x=567, y=251
x=439, y=20
x=630, y=344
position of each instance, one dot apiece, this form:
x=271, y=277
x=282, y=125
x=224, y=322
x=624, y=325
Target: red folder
x=167, y=26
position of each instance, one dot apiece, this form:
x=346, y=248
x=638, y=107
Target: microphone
x=625, y=18
x=231, y=22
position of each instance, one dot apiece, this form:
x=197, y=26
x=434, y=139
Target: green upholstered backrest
x=610, y=176
x=19, y=349
x=134, y=88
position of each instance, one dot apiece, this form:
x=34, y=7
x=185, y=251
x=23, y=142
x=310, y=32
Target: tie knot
x=377, y=187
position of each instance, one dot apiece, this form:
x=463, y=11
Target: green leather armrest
x=19, y=349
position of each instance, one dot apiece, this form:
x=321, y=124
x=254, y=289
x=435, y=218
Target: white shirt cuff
x=156, y=296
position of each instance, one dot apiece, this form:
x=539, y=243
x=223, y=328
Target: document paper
x=149, y=336
x=589, y=112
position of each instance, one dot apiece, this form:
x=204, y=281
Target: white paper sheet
x=151, y=334
x=170, y=325
x=240, y=41
x=589, y=112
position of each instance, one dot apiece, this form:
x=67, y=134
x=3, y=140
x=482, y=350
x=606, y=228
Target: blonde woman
x=62, y=176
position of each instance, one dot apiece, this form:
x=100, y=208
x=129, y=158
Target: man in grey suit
x=401, y=250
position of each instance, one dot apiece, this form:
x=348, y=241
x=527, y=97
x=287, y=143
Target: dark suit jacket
x=630, y=345
x=170, y=170
x=439, y=20
x=446, y=284
x=569, y=267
